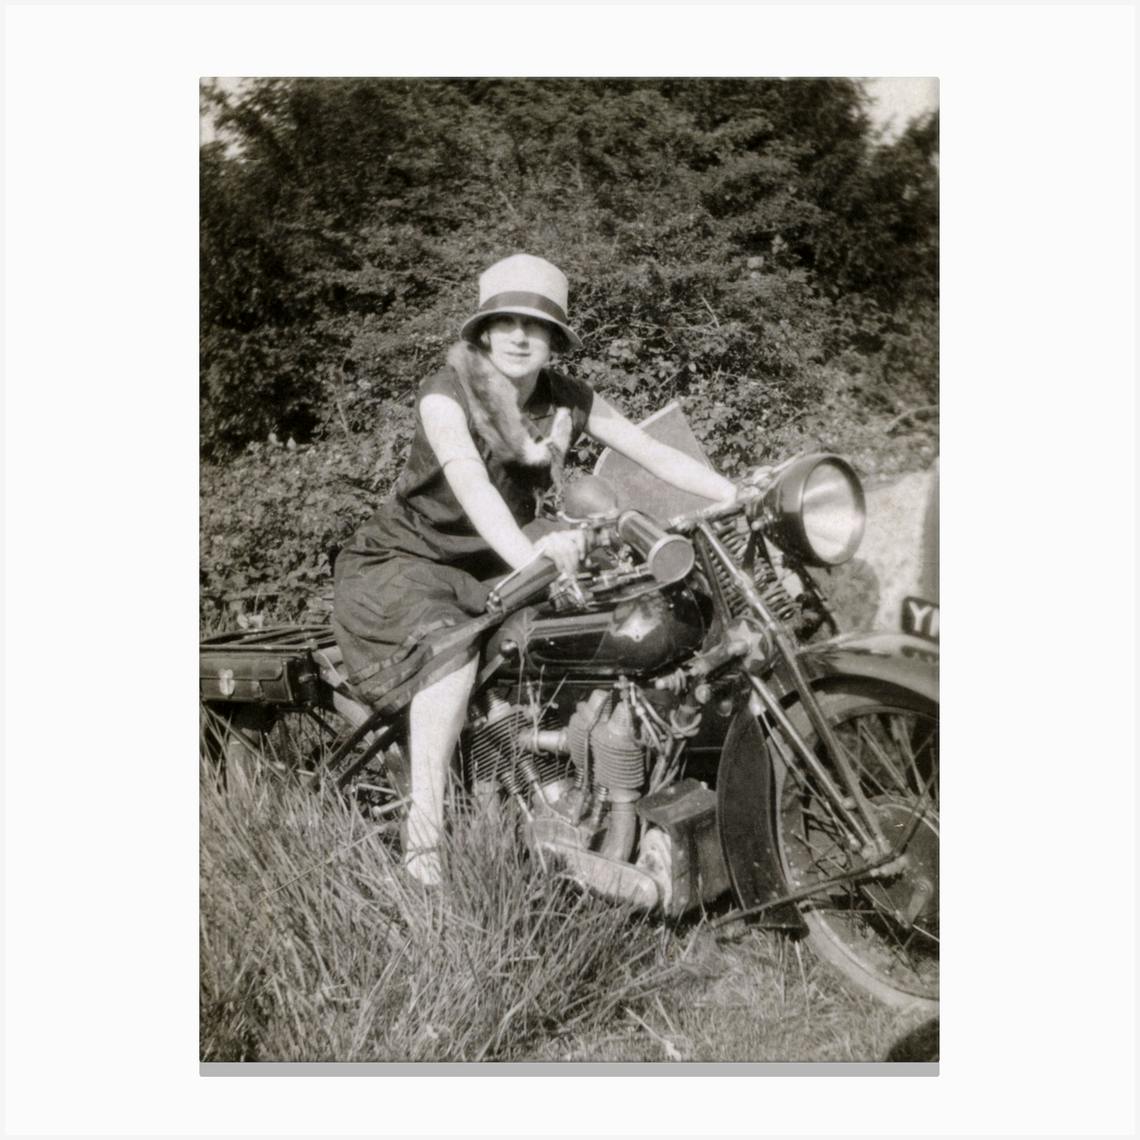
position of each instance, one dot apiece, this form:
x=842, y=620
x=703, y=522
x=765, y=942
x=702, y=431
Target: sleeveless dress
x=418, y=569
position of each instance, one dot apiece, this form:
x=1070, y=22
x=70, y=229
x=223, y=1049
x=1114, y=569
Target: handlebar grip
x=669, y=557
x=522, y=585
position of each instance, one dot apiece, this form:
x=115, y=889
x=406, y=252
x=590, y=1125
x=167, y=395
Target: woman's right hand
x=565, y=548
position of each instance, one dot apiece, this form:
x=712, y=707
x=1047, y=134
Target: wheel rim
x=300, y=744
x=883, y=931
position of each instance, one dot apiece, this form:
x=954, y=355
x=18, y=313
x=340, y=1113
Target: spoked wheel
x=317, y=746
x=880, y=930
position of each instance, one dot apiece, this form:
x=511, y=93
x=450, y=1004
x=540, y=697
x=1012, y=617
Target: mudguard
x=746, y=799
x=747, y=790
x=896, y=659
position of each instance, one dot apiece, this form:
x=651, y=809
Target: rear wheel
x=252, y=743
x=880, y=931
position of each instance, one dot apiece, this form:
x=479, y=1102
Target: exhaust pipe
x=621, y=881
x=621, y=825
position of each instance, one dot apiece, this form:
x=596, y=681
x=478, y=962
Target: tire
x=253, y=743
x=880, y=933
x=231, y=741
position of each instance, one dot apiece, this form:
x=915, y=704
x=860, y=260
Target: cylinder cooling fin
x=491, y=751
x=619, y=757
x=584, y=719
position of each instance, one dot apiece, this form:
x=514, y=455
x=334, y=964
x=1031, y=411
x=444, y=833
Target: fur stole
x=493, y=402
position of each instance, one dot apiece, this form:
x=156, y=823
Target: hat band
x=524, y=301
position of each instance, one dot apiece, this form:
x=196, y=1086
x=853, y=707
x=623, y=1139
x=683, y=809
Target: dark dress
x=417, y=569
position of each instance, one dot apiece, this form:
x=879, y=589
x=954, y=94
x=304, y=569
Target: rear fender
x=895, y=659
x=746, y=800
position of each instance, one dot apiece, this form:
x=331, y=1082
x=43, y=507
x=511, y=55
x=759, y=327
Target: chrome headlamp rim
x=789, y=510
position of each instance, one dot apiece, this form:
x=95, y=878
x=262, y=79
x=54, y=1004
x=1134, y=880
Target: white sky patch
x=896, y=101
x=206, y=130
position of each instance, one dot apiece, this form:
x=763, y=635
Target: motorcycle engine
x=499, y=746
x=527, y=749
x=584, y=778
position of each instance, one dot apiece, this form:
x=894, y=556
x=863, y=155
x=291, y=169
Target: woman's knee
x=453, y=687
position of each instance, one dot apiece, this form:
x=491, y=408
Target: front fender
x=895, y=659
x=746, y=804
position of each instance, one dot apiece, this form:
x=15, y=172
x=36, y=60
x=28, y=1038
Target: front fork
x=853, y=806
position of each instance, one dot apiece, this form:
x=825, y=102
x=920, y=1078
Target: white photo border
x=1038, y=484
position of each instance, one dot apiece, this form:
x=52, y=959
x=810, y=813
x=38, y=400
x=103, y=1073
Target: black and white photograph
x=569, y=569
x=480, y=482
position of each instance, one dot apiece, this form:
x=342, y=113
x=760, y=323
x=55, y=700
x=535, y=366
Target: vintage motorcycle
x=680, y=720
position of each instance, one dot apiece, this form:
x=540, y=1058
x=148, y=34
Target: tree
x=713, y=229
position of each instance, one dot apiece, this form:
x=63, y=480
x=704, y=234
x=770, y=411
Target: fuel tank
x=633, y=637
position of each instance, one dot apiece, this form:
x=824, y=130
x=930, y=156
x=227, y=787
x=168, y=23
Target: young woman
x=492, y=429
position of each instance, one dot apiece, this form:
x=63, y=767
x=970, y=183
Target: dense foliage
x=747, y=246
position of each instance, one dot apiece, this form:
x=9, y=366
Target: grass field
x=314, y=947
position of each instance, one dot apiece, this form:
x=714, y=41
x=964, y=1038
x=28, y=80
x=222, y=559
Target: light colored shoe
x=422, y=864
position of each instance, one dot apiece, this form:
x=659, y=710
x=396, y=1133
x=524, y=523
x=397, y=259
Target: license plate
x=920, y=618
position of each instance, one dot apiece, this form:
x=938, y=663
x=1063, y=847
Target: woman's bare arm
x=609, y=427
x=446, y=428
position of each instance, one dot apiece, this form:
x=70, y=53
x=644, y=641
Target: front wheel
x=879, y=930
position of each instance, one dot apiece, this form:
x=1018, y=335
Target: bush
x=269, y=517
x=713, y=230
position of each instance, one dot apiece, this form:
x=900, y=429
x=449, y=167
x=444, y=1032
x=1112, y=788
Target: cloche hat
x=529, y=286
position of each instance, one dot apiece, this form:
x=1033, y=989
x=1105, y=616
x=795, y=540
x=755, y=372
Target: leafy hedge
x=270, y=516
x=746, y=246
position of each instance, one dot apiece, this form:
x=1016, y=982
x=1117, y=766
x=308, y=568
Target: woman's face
x=518, y=346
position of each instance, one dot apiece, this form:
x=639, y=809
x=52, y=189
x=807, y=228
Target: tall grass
x=315, y=946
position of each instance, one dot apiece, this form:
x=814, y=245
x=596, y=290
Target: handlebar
x=753, y=488
x=667, y=557
x=521, y=585
x=692, y=519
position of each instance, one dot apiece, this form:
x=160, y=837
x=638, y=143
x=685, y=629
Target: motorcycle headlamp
x=817, y=508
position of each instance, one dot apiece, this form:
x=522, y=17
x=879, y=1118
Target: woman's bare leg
x=435, y=721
